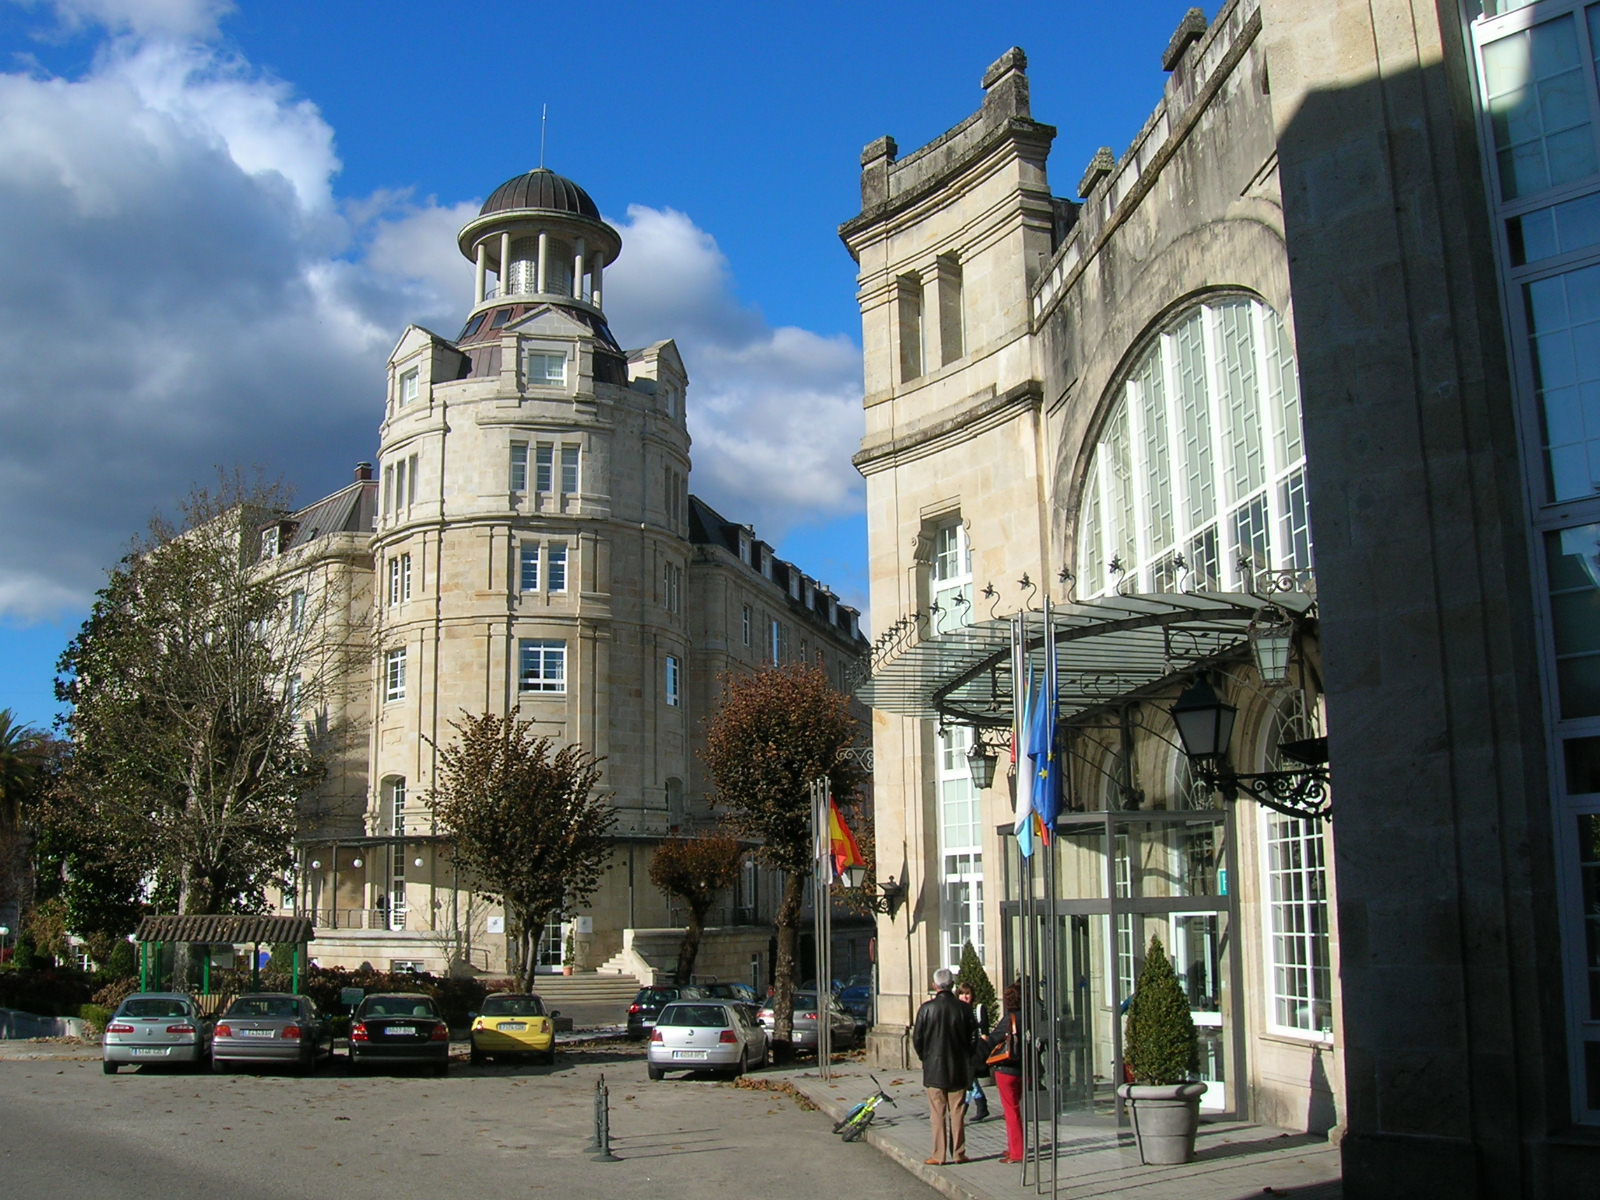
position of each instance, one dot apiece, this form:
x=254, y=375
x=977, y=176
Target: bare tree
x=777, y=730
x=697, y=871
x=526, y=819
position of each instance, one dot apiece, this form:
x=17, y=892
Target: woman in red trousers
x=1007, y=1071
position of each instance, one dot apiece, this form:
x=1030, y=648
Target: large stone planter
x=1165, y=1119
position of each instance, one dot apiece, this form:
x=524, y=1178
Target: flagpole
x=822, y=932
x=1053, y=940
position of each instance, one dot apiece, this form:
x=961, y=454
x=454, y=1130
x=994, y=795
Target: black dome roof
x=541, y=188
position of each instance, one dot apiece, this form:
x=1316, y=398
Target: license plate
x=399, y=1031
x=149, y=1051
x=698, y=1055
x=255, y=1033
x=512, y=1026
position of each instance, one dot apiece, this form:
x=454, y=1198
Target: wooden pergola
x=210, y=930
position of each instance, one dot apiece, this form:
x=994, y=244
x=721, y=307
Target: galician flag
x=843, y=852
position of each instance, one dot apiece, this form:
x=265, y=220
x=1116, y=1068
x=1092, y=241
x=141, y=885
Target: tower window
x=909, y=308
x=410, y=387
x=557, y=562
x=543, y=666
x=394, y=675
x=672, y=682
x=519, y=466
x=546, y=369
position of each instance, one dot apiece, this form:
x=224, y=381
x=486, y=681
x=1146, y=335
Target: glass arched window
x=1200, y=458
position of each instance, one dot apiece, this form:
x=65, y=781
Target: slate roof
x=352, y=509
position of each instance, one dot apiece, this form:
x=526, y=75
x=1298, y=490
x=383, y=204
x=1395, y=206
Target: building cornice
x=973, y=417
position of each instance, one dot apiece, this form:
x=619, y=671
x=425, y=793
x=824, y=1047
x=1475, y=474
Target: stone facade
x=532, y=547
x=1318, y=176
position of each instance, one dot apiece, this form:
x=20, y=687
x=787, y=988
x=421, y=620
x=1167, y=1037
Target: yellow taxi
x=513, y=1023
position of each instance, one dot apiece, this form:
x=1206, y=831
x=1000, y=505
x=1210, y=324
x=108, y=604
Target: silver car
x=156, y=1027
x=706, y=1035
x=841, y=1024
x=271, y=1027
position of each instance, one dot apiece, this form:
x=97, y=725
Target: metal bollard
x=602, y=1123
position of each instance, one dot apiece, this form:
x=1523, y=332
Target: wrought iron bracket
x=1293, y=793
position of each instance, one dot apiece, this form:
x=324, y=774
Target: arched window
x=1200, y=457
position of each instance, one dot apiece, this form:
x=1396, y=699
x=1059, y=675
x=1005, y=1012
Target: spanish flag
x=842, y=848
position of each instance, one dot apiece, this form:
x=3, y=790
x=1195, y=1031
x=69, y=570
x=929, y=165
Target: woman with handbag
x=1005, y=1063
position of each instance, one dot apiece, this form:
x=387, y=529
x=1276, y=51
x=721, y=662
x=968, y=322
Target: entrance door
x=552, y=946
x=1197, y=957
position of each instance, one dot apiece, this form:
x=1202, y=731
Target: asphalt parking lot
x=72, y=1132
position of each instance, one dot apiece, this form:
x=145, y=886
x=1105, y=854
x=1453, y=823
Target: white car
x=156, y=1027
x=706, y=1035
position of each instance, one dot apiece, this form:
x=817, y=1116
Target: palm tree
x=20, y=749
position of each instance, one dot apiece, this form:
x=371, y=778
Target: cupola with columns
x=541, y=237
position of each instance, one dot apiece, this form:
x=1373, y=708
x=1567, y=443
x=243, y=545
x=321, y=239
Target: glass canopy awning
x=1108, y=648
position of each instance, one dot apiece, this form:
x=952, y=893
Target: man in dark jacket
x=942, y=1037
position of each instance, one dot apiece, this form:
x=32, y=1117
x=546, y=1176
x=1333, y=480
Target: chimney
x=363, y=472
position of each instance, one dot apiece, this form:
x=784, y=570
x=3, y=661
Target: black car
x=399, y=1027
x=647, y=1005
x=740, y=993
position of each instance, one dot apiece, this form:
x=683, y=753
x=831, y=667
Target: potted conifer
x=1159, y=1048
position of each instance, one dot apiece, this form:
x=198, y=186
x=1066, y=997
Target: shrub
x=46, y=992
x=1160, y=1045
x=115, y=992
x=122, y=960
x=973, y=974
x=96, y=1017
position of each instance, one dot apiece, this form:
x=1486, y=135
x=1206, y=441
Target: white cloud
x=775, y=412
x=185, y=288
x=173, y=18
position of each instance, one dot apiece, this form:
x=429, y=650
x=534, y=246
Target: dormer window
x=271, y=542
x=410, y=387
x=546, y=369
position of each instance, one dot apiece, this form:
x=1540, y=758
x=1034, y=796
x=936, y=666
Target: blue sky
x=216, y=219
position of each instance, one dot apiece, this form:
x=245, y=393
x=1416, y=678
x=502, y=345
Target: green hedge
x=45, y=991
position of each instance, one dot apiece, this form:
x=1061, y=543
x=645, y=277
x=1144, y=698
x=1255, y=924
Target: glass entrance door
x=1197, y=958
x=552, y=946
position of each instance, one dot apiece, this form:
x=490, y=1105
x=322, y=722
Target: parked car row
x=283, y=1029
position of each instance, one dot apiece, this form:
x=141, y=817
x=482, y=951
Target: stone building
x=1312, y=356
x=529, y=545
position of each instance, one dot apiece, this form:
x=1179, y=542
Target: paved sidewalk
x=1233, y=1160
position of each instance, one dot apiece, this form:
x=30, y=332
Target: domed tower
x=542, y=237
x=530, y=547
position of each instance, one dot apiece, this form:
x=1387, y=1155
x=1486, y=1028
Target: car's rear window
x=698, y=1016
x=264, y=1006
x=153, y=1008
x=513, y=1006
x=397, y=1006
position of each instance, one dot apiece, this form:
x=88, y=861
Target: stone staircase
x=586, y=987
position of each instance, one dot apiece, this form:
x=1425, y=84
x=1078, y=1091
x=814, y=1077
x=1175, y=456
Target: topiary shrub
x=1160, y=1045
x=973, y=974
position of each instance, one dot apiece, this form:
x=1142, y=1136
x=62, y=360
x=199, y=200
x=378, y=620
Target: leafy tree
x=185, y=686
x=776, y=730
x=1160, y=1045
x=973, y=974
x=525, y=817
x=696, y=870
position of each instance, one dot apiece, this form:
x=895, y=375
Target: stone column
x=544, y=256
x=505, y=263
x=480, y=270
x=577, y=270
